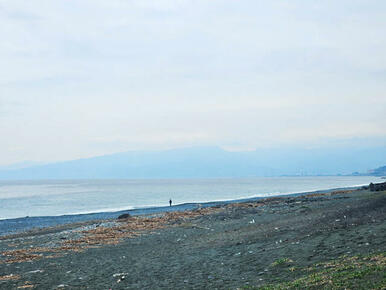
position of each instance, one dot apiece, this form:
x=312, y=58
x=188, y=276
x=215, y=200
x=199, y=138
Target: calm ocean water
x=59, y=197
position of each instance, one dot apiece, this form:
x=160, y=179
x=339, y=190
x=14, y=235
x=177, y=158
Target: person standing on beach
x=170, y=202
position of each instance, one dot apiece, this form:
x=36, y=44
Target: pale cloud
x=81, y=78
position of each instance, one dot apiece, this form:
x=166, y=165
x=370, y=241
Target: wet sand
x=228, y=246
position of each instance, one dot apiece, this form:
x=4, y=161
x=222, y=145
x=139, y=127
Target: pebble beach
x=273, y=243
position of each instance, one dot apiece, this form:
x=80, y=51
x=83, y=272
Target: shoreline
x=25, y=224
x=333, y=239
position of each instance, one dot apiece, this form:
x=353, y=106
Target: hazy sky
x=89, y=77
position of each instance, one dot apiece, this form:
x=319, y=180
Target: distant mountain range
x=380, y=171
x=204, y=162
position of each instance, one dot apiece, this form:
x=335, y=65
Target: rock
x=124, y=216
x=377, y=186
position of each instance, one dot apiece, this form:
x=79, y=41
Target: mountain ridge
x=202, y=162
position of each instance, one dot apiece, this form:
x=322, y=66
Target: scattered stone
x=124, y=216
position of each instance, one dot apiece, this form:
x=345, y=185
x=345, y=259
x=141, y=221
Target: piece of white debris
x=36, y=271
x=119, y=274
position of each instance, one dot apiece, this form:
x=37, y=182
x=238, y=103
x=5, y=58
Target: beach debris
x=10, y=277
x=121, y=279
x=26, y=286
x=21, y=255
x=252, y=221
x=35, y=271
x=110, y=234
x=119, y=274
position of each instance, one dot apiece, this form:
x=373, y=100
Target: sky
x=92, y=77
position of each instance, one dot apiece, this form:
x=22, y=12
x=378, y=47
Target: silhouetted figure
x=170, y=202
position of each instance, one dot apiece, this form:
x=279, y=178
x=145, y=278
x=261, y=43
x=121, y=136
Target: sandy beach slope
x=327, y=240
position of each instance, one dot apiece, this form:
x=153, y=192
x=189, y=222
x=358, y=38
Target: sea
x=42, y=198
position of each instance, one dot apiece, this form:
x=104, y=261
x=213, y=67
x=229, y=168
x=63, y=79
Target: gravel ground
x=224, y=247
